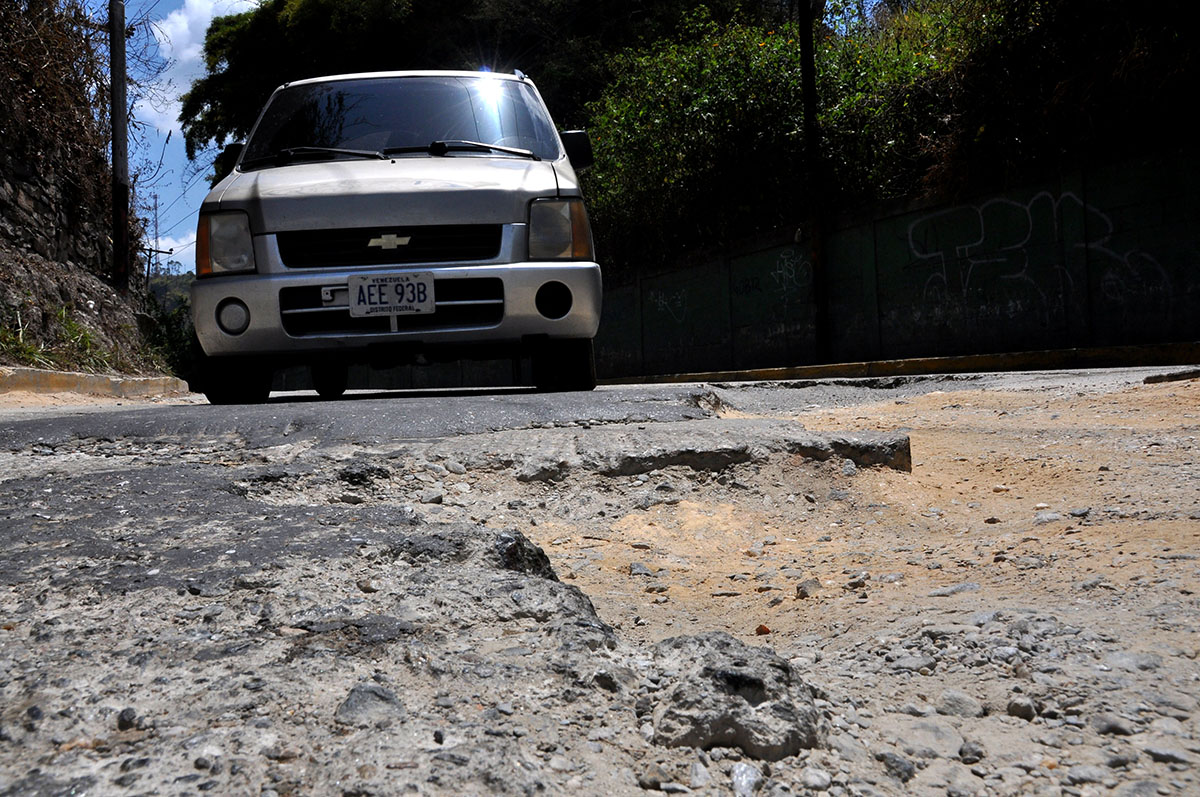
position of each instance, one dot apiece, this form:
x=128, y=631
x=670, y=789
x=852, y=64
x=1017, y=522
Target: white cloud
x=180, y=38
x=183, y=247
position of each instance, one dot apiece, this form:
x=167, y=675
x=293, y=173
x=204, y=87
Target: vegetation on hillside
x=54, y=81
x=696, y=111
x=700, y=137
x=56, y=310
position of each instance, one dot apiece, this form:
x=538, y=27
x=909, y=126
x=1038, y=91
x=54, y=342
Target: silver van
x=397, y=217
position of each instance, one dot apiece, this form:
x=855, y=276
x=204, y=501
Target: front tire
x=235, y=381
x=565, y=365
x=330, y=380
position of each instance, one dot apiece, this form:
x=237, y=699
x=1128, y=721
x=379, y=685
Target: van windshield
x=403, y=114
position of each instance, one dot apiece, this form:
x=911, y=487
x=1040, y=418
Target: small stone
x=653, y=777
x=1112, y=725
x=897, y=766
x=639, y=569
x=1022, y=707
x=1122, y=759
x=914, y=663
x=698, y=777
x=959, y=704
x=746, y=778
x=369, y=584
x=807, y=588
x=815, y=779
x=971, y=752
x=954, y=589
x=281, y=753
x=1168, y=755
x=431, y=496
x=858, y=582
x=369, y=705
x=127, y=719
x=1085, y=773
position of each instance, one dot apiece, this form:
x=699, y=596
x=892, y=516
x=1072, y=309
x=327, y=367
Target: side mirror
x=224, y=163
x=578, y=147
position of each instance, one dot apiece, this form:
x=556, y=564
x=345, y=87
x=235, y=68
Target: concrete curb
x=33, y=380
x=1058, y=359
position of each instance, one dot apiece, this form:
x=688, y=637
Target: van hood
x=404, y=191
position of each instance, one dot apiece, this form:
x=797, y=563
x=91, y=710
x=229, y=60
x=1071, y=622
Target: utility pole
x=120, y=146
x=152, y=265
x=811, y=11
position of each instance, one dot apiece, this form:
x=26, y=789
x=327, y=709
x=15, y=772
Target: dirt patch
x=1086, y=482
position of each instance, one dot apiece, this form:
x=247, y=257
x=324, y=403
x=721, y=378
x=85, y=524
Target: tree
x=698, y=141
x=564, y=45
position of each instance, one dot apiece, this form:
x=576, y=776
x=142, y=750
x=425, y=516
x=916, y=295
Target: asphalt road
x=373, y=418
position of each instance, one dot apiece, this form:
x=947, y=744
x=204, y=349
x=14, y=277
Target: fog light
x=554, y=300
x=233, y=317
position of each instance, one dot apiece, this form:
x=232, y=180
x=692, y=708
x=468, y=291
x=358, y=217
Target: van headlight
x=223, y=244
x=559, y=230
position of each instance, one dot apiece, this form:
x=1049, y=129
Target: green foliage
x=54, y=85
x=696, y=114
x=70, y=345
x=1059, y=81
x=880, y=85
x=171, y=335
x=698, y=140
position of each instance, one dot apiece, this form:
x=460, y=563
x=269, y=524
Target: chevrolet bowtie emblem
x=390, y=241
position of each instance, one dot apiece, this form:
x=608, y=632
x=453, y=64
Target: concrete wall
x=1110, y=256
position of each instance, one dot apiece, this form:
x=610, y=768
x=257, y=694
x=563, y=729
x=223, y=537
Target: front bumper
x=299, y=312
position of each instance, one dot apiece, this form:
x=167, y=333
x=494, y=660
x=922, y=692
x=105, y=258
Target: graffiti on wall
x=792, y=275
x=986, y=259
x=1006, y=259
x=673, y=303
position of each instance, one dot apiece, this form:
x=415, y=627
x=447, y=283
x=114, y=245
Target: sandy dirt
x=1098, y=484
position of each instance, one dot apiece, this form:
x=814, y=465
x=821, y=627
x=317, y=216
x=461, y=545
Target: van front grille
x=376, y=246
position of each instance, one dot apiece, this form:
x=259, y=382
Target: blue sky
x=177, y=28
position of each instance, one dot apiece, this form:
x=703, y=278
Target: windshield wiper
x=289, y=154
x=443, y=147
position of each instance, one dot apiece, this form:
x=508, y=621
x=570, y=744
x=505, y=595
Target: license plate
x=391, y=294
